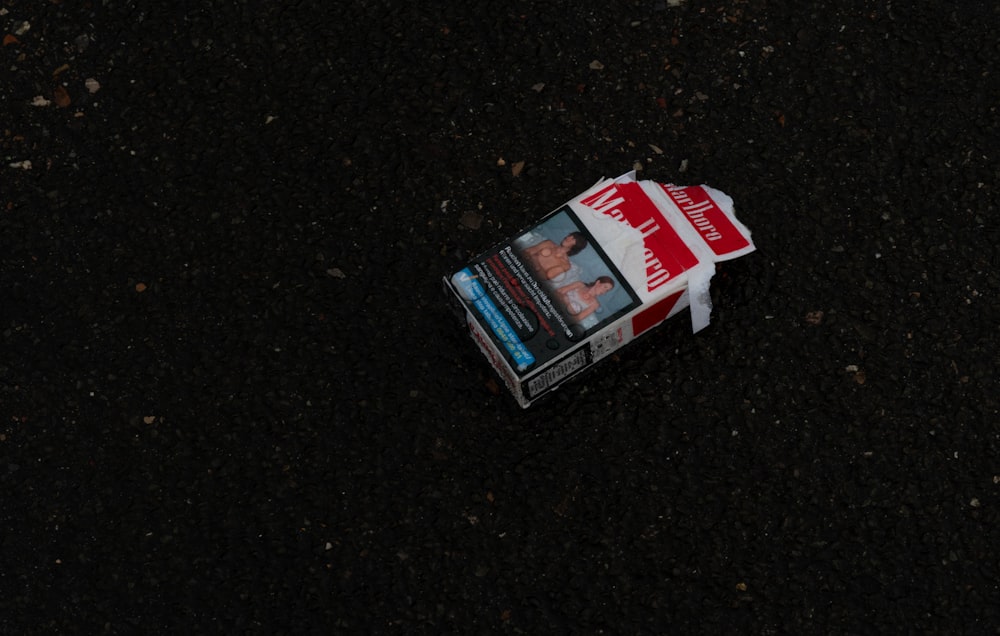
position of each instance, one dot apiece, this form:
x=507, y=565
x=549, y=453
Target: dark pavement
x=233, y=398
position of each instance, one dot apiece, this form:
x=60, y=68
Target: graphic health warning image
x=545, y=291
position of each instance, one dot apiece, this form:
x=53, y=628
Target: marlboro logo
x=666, y=254
x=708, y=218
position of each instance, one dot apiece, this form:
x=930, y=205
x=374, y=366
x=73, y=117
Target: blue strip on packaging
x=473, y=290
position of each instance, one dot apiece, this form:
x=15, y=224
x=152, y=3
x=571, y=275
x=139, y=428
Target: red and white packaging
x=593, y=275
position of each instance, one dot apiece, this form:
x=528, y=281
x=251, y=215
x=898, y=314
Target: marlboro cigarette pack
x=593, y=275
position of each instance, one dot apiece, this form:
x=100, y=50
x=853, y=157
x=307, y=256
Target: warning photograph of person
x=581, y=300
x=576, y=274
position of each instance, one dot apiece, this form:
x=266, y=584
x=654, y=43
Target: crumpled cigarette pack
x=593, y=275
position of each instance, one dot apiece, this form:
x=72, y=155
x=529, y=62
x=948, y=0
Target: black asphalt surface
x=233, y=398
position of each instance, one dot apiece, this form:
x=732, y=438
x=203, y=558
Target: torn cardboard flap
x=597, y=272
